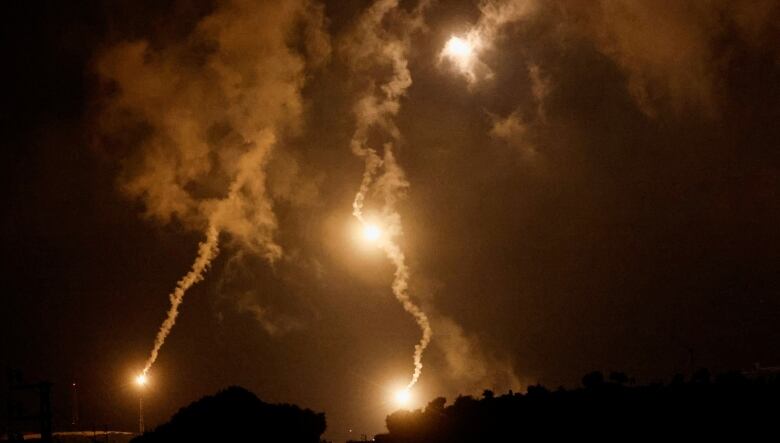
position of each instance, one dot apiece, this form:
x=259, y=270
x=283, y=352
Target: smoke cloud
x=465, y=362
x=468, y=364
x=202, y=116
x=670, y=50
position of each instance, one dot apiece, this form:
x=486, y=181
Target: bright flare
x=403, y=397
x=141, y=379
x=458, y=49
x=462, y=54
x=371, y=233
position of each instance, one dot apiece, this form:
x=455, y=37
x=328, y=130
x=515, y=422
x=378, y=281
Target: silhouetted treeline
x=729, y=406
x=237, y=415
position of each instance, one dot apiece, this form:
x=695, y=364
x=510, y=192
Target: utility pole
x=141, y=413
x=141, y=380
x=74, y=419
x=18, y=418
x=44, y=392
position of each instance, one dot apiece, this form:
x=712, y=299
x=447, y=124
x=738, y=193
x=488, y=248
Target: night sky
x=596, y=188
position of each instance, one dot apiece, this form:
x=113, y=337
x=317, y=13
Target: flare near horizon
x=403, y=397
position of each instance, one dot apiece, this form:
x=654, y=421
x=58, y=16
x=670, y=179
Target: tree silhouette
x=618, y=377
x=732, y=407
x=237, y=415
x=593, y=380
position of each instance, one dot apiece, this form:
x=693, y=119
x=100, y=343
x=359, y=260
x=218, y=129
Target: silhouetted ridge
x=237, y=415
x=732, y=406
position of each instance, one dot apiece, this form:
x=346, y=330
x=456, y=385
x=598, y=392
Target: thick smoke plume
x=372, y=46
x=207, y=110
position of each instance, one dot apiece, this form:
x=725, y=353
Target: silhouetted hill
x=237, y=415
x=732, y=406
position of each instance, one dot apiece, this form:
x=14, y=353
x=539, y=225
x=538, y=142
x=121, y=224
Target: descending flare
x=370, y=46
x=211, y=116
x=383, y=239
x=206, y=253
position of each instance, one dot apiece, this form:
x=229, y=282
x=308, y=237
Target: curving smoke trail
x=400, y=290
x=207, y=251
x=371, y=46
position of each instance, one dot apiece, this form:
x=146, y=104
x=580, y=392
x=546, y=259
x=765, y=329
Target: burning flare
x=461, y=52
x=458, y=49
x=403, y=397
x=371, y=233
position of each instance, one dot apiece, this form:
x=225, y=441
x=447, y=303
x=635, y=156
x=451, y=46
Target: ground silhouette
x=730, y=406
x=237, y=415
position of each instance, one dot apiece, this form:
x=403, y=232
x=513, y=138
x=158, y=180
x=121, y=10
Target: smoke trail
x=372, y=46
x=207, y=251
x=400, y=290
x=373, y=162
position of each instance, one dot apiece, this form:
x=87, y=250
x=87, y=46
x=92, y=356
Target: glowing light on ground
x=141, y=379
x=371, y=233
x=403, y=397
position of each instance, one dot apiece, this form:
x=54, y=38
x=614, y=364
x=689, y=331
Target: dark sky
x=602, y=194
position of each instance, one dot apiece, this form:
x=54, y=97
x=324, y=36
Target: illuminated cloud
x=670, y=50
x=207, y=111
